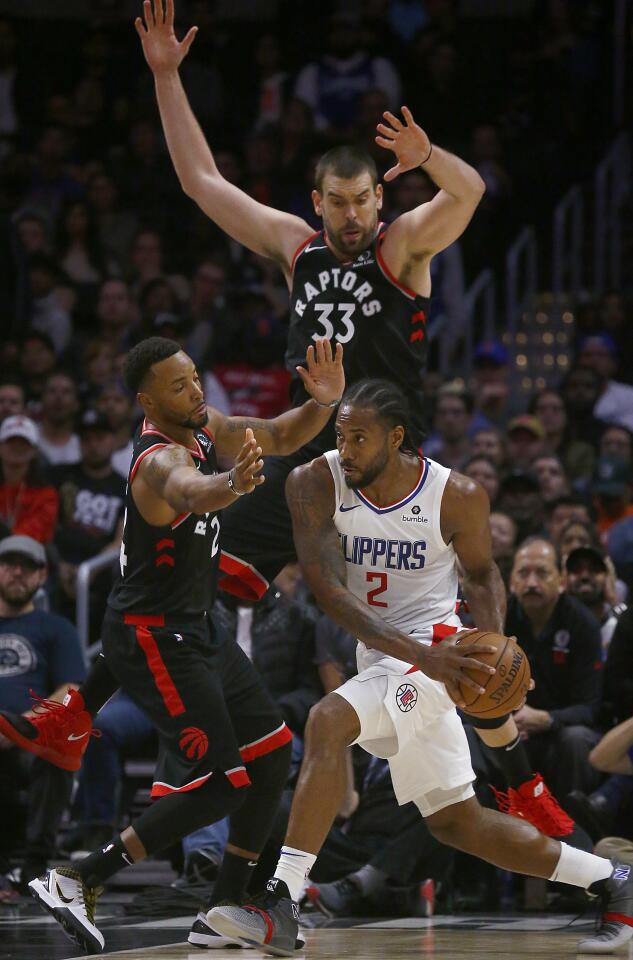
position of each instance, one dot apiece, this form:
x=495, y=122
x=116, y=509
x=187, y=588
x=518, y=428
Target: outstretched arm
x=268, y=232
x=310, y=496
x=324, y=379
x=432, y=226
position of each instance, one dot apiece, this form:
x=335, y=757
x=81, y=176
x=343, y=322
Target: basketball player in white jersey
x=379, y=532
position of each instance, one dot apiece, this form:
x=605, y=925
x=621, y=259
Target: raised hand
x=407, y=140
x=163, y=51
x=248, y=463
x=324, y=379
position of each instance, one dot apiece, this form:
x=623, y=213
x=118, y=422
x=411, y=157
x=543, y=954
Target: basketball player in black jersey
x=222, y=739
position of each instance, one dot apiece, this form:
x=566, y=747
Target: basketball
x=505, y=690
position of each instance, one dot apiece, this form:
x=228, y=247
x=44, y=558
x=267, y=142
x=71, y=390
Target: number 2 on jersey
x=372, y=594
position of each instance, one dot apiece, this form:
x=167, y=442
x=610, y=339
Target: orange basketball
x=505, y=690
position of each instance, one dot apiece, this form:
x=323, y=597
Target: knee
x=329, y=724
x=453, y=825
x=576, y=737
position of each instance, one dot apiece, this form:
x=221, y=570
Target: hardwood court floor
x=481, y=937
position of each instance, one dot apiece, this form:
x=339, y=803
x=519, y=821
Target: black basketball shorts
x=256, y=531
x=201, y=692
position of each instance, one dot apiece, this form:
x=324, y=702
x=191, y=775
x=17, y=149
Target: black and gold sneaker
x=66, y=897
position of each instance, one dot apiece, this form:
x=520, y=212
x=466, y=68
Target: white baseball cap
x=20, y=426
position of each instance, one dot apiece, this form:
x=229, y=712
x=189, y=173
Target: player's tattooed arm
x=465, y=520
x=169, y=476
x=310, y=496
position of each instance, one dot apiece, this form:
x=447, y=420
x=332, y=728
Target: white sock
x=293, y=867
x=579, y=868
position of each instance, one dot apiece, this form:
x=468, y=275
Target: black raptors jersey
x=170, y=570
x=379, y=321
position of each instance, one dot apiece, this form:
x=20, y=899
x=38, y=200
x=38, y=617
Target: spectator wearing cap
x=484, y=471
x=28, y=501
x=614, y=404
x=578, y=456
x=561, y=512
x=60, y=403
x=611, y=491
x=40, y=651
x=520, y=498
x=615, y=441
x=551, y=476
x=562, y=641
x=491, y=385
x=525, y=441
x=591, y=579
x=92, y=496
x=12, y=398
x=503, y=535
x=450, y=443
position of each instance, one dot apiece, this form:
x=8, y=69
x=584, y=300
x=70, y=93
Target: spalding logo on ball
x=505, y=690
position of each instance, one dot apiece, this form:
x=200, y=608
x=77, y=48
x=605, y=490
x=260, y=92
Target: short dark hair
x=345, y=162
x=143, y=356
x=567, y=500
x=480, y=457
x=390, y=405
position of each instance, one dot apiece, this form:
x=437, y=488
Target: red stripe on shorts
x=165, y=685
x=272, y=741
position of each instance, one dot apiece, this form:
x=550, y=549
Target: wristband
x=334, y=403
x=231, y=483
x=428, y=156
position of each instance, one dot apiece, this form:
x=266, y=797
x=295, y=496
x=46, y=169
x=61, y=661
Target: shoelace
x=44, y=708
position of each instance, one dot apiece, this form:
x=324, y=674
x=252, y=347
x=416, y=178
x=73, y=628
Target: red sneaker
x=58, y=732
x=533, y=802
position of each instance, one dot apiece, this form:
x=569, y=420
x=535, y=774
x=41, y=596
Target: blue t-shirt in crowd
x=38, y=651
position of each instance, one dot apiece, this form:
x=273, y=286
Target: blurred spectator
x=28, y=502
x=269, y=87
x=11, y=398
x=450, y=444
x=576, y=455
x=60, y=404
x=116, y=226
x=333, y=84
x=33, y=231
x=211, y=325
x=520, y=498
x=615, y=400
x=611, y=491
x=560, y=512
x=53, y=179
x=617, y=692
x=117, y=404
x=562, y=642
x=491, y=385
x=503, y=533
x=147, y=262
x=80, y=252
x=37, y=362
x=580, y=390
x=524, y=441
x=489, y=442
x=116, y=315
x=576, y=533
x=589, y=579
x=484, y=471
x=90, y=521
x=617, y=441
x=40, y=654
x=47, y=313
x=97, y=368
x=550, y=473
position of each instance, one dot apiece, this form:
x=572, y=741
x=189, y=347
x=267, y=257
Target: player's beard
x=370, y=473
x=337, y=238
x=196, y=423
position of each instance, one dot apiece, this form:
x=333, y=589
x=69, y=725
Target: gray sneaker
x=270, y=921
x=616, y=923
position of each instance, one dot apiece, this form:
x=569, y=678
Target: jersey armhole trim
x=141, y=457
x=301, y=248
x=380, y=260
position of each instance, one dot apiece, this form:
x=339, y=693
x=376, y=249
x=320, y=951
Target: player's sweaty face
x=362, y=443
x=349, y=208
x=176, y=392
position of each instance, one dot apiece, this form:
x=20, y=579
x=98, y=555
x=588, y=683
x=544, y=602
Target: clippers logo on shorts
x=194, y=743
x=561, y=646
x=406, y=697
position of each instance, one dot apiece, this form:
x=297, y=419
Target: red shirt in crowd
x=31, y=511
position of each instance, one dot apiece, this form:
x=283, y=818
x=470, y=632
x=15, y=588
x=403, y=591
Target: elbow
x=478, y=187
x=598, y=762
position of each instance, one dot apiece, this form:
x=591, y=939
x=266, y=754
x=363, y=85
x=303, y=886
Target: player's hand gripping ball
x=505, y=690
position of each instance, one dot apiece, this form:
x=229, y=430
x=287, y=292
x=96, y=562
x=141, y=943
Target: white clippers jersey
x=397, y=561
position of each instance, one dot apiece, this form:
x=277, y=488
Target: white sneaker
x=203, y=936
x=63, y=894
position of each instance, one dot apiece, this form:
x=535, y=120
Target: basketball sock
x=104, y=863
x=369, y=880
x=579, y=868
x=233, y=878
x=513, y=761
x=293, y=868
x=99, y=686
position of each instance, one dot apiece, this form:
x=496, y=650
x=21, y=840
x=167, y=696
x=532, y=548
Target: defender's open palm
x=407, y=140
x=248, y=463
x=163, y=51
x=324, y=379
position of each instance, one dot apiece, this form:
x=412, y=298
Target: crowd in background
x=100, y=248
